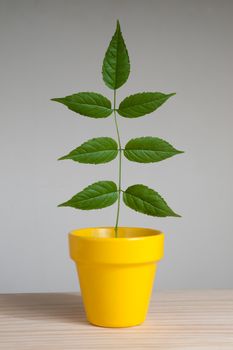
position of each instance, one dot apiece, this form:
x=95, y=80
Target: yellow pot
x=116, y=274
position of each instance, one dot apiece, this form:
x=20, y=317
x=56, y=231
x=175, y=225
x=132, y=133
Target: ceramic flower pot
x=116, y=274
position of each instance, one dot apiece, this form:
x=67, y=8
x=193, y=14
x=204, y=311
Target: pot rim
x=90, y=245
x=147, y=233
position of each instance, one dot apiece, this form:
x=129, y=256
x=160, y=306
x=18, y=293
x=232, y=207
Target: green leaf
x=116, y=65
x=99, y=195
x=140, y=104
x=95, y=151
x=145, y=200
x=149, y=149
x=89, y=104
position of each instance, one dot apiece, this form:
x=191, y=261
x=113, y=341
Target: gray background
x=54, y=48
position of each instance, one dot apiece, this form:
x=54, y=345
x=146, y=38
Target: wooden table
x=187, y=320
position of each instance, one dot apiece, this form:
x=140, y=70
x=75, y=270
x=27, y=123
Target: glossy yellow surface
x=116, y=274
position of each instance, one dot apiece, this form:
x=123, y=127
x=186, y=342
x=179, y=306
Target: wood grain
x=181, y=320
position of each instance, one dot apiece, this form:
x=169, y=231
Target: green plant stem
x=120, y=159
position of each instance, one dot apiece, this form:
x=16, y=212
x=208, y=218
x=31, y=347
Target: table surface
x=176, y=320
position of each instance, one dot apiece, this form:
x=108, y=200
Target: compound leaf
x=145, y=200
x=89, y=104
x=142, y=103
x=116, y=65
x=95, y=151
x=149, y=149
x=99, y=195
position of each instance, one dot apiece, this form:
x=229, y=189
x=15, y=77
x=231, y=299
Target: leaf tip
x=171, y=94
x=118, y=26
x=177, y=151
x=56, y=99
x=176, y=215
x=62, y=158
